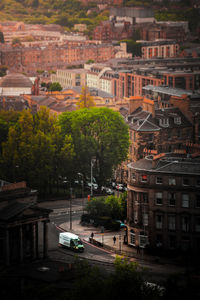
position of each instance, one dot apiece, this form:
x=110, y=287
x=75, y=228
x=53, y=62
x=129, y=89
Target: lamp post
x=82, y=190
x=70, y=209
x=91, y=179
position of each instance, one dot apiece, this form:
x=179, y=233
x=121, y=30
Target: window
x=171, y=223
x=172, y=241
x=197, y=224
x=144, y=178
x=186, y=181
x=177, y=120
x=172, y=199
x=185, y=224
x=159, y=222
x=185, y=200
x=198, y=200
x=132, y=238
x=145, y=198
x=172, y=181
x=145, y=219
x=159, y=180
x=133, y=177
x=159, y=198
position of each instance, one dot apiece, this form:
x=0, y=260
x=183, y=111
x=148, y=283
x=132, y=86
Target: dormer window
x=164, y=122
x=177, y=120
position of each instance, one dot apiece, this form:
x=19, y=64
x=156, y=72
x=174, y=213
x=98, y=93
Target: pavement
x=105, y=240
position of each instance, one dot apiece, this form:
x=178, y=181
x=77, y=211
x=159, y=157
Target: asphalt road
x=92, y=253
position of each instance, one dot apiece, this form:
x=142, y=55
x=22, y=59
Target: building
x=134, y=15
x=109, y=31
x=16, y=84
x=162, y=49
x=19, y=224
x=154, y=130
x=70, y=77
x=163, y=209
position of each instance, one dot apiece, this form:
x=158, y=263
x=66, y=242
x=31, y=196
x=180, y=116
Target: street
x=60, y=221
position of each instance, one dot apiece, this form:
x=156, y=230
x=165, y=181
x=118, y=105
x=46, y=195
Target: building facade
x=163, y=211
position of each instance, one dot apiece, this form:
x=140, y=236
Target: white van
x=70, y=240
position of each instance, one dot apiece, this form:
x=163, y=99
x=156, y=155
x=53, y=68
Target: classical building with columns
x=19, y=224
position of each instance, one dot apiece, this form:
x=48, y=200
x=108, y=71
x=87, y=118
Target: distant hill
x=69, y=12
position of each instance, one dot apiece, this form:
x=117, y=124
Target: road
x=60, y=215
x=100, y=256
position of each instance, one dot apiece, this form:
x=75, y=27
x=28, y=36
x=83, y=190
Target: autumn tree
x=85, y=100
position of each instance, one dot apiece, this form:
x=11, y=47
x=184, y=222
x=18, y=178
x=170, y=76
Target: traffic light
x=88, y=198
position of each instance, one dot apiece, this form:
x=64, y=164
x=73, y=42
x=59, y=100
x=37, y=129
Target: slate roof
x=12, y=210
x=141, y=120
x=15, y=80
x=169, y=164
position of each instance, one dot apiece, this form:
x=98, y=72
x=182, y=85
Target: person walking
x=114, y=239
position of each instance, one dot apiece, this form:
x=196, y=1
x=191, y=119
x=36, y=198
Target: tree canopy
x=99, y=134
x=54, y=86
x=43, y=149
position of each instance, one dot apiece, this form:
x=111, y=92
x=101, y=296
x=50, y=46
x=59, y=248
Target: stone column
x=36, y=241
x=45, y=239
x=7, y=248
x=21, y=254
x=33, y=241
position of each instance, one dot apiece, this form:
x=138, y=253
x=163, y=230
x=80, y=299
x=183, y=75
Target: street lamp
x=91, y=179
x=82, y=187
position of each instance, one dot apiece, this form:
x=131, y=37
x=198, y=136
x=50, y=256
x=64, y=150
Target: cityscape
x=99, y=149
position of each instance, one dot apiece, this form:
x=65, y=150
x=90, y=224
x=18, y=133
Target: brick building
x=167, y=30
x=110, y=30
x=162, y=49
x=53, y=57
x=163, y=209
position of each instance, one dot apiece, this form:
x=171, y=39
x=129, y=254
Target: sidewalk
x=105, y=240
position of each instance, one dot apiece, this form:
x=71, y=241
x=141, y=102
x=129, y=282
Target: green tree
x=3, y=70
x=55, y=86
x=85, y=100
x=99, y=134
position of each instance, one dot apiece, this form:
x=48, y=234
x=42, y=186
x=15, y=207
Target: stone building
x=20, y=218
x=70, y=77
x=155, y=130
x=163, y=209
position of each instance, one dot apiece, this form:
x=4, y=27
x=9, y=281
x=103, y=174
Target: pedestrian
x=92, y=235
x=114, y=239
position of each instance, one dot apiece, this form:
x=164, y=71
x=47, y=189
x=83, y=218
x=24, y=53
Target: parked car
x=121, y=224
x=120, y=187
x=109, y=191
x=94, y=186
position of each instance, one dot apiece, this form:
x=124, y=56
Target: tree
x=16, y=42
x=55, y=86
x=3, y=70
x=99, y=134
x=85, y=100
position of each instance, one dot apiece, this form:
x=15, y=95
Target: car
x=94, y=186
x=120, y=187
x=121, y=224
x=109, y=191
